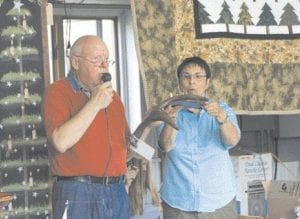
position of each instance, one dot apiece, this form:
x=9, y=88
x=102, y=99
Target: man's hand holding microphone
x=103, y=93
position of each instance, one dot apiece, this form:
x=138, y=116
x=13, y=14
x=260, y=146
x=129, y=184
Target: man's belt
x=92, y=179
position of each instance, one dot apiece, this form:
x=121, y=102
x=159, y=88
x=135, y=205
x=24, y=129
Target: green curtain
x=155, y=34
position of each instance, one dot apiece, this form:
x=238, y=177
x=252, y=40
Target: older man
x=87, y=131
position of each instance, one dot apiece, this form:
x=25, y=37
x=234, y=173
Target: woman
x=198, y=176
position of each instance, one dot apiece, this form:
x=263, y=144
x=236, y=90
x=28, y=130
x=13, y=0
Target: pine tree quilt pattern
x=270, y=19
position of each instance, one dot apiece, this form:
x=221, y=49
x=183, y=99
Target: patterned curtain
x=253, y=76
x=155, y=34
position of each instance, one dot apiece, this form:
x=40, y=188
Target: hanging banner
x=247, y=19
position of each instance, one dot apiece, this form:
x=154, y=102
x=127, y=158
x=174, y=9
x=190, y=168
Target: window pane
x=73, y=29
x=109, y=37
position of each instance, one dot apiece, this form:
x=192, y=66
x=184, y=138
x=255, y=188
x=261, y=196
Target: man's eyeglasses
x=188, y=76
x=97, y=61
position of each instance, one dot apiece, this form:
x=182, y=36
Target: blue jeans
x=90, y=200
x=229, y=211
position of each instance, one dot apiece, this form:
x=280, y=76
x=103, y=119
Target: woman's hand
x=214, y=109
x=173, y=111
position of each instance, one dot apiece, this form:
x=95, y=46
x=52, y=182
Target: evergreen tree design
x=225, y=15
x=289, y=17
x=203, y=16
x=23, y=145
x=244, y=16
x=266, y=17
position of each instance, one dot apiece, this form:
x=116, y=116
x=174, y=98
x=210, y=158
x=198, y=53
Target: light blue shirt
x=198, y=173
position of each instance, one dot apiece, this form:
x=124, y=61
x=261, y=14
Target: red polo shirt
x=101, y=150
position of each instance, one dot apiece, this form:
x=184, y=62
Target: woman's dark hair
x=195, y=60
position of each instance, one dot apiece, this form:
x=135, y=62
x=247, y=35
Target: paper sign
x=142, y=149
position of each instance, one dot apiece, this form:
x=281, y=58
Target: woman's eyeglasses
x=188, y=76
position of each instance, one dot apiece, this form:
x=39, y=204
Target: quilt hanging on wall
x=253, y=75
x=273, y=19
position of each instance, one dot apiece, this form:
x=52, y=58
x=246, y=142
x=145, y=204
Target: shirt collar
x=76, y=86
x=74, y=82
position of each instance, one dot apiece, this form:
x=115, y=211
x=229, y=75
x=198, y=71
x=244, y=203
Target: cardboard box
x=248, y=169
x=288, y=170
x=283, y=197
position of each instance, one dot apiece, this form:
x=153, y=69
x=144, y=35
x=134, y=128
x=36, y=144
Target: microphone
x=105, y=77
